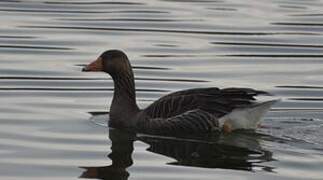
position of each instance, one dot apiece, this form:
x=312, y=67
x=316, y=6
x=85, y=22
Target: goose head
x=117, y=65
x=112, y=62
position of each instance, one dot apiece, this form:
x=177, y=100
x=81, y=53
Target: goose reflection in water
x=240, y=151
x=122, y=148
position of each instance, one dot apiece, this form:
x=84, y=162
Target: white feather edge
x=247, y=118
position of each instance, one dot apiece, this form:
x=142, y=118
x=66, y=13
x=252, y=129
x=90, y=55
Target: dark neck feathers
x=124, y=106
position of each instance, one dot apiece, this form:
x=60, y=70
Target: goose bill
x=94, y=66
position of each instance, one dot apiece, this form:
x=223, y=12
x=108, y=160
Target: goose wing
x=191, y=122
x=215, y=101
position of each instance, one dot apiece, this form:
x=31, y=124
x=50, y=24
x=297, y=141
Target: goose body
x=200, y=110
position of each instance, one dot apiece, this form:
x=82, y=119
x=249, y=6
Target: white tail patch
x=247, y=118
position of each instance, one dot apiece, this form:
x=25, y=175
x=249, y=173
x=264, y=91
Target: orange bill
x=227, y=128
x=96, y=65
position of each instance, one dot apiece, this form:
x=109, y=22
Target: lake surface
x=53, y=116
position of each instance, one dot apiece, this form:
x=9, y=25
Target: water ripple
x=95, y=79
x=34, y=47
x=269, y=44
x=301, y=87
x=73, y=89
x=170, y=31
x=93, y=3
x=298, y=24
x=278, y=55
x=16, y=37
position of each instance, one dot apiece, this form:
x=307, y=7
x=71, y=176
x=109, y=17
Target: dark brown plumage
x=188, y=111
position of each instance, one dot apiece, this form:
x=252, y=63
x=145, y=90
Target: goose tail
x=246, y=118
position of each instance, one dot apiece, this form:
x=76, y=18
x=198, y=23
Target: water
x=47, y=130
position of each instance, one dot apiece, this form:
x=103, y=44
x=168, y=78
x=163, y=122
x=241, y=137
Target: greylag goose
x=200, y=110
